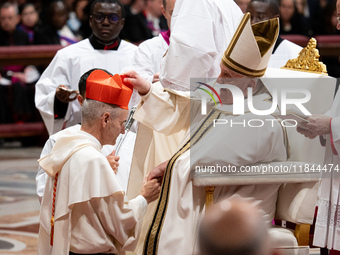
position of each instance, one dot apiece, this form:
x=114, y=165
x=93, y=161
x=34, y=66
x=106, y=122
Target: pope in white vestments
x=181, y=204
x=84, y=210
x=222, y=17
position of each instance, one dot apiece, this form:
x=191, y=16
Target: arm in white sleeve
x=148, y=56
x=196, y=53
x=121, y=218
x=54, y=75
x=164, y=111
x=41, y=176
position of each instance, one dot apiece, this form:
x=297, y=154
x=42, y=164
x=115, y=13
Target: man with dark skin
x=261, y=10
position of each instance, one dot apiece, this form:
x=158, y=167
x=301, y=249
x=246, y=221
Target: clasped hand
x=318, y=124
x=66, y=95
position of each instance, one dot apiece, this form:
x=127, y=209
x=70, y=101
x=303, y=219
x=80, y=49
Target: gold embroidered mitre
x=308, y=60
x=251, y=47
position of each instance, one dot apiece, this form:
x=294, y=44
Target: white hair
x=92, y=110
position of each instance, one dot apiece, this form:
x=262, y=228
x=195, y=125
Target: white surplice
x=200, y=33
x=193, y=52
x=91, y=214
x=148, y=56
x=122, y=174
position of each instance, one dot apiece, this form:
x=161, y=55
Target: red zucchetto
x=103, y=87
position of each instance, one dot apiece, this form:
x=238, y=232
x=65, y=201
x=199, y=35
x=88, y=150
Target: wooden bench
x=38, y=55
x=22, y=129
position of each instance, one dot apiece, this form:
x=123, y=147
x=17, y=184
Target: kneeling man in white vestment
x=83, y=209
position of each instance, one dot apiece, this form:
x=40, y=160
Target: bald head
x=234, y=226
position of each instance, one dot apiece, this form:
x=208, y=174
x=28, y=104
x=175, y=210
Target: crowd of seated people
x=65, y=22
x=304, y=17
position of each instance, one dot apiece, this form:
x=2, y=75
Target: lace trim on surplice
x=328, y=214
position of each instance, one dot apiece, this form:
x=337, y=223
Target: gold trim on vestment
x=236, y=67
x=285, y=137
x=154, y=232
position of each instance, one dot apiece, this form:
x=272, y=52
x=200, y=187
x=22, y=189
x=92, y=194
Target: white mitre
x=251, y=47
x=249, y=51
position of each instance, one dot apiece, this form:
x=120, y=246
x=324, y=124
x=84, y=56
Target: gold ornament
x=308, y=60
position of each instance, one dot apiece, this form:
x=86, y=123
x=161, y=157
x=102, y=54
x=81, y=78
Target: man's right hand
x=318, y=124
x=158, y=172
x=65, y=95
x=138, y=83
x=150, y=190
x=306, y=133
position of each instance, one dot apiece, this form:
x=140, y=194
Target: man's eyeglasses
x=100, y=17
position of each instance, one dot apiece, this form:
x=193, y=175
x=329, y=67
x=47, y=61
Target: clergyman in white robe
x=181, y=205
x=200, y=32
x=65, y=69
x=87, y=188
x=201, y=50
x=122, y=174
x=148, y=56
